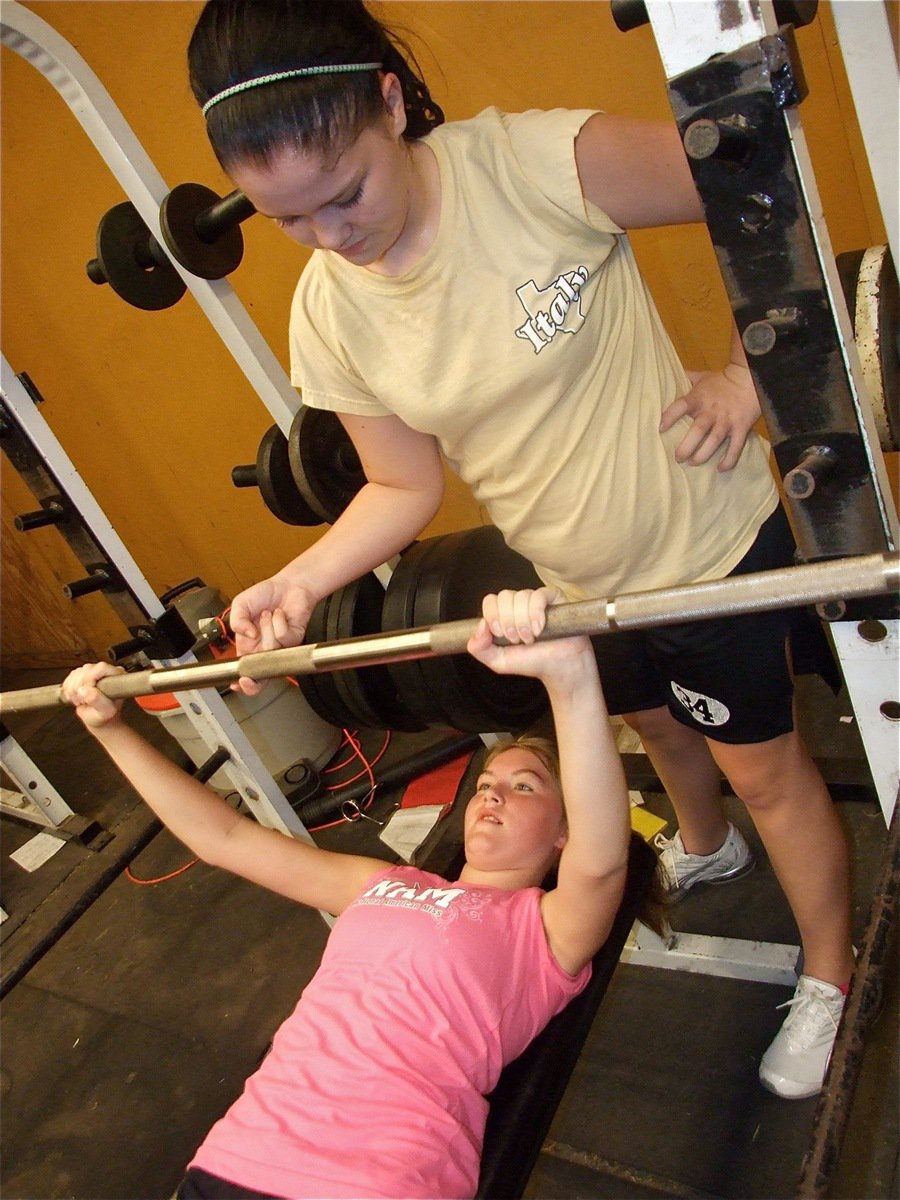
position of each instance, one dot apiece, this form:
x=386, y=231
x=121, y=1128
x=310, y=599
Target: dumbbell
x=272, y=474
x=324, y=462
x=200, y=229
x=310, y=477
x=132, y=262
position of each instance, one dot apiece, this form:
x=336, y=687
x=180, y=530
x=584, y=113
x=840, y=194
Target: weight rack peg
x=141, y=641
x=817, y=463
x=51, y=512
x=760, y=336
x=732, y=141
x=761, y=591
x=272, y=474
x=99, y=579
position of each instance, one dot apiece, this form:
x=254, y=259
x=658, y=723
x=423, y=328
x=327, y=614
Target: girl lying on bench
x=375, y=1085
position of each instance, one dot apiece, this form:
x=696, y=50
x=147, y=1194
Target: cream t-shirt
x=526, y=341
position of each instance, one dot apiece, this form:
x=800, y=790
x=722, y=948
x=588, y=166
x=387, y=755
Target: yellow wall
x=150, y=406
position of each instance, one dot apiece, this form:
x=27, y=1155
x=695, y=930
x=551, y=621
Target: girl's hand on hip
x=723, y=407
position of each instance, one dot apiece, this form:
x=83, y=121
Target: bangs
x=301, y=115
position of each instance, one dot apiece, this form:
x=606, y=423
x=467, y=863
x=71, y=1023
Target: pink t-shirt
x=375, y=1084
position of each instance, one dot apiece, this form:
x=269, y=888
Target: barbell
x=763, y=591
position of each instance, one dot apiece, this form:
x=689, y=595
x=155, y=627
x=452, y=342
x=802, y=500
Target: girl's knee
x=765, y=774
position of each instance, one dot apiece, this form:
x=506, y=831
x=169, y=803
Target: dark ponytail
x=239, y=40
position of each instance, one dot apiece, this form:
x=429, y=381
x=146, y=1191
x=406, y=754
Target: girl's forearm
x=195, y=814
x=592, y=775
x=379, y=522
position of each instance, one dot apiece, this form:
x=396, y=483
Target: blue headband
x=276, y=76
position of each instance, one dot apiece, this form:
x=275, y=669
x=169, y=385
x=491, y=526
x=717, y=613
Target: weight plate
x=309, y=683
x=339, y=625
x=437, y=676
x=319, y=690
x=371, y=691
x=178, y=215
x=325, y=464
x=398, y=613
x=123, y=251
x=276, y=481
x=466, y=567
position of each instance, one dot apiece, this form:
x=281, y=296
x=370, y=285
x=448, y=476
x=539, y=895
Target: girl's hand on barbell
x=79, y=689
x=520, y=617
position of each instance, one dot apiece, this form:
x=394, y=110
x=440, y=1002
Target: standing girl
x=473, y=299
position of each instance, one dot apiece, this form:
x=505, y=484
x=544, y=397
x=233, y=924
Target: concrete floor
x=132, y=1015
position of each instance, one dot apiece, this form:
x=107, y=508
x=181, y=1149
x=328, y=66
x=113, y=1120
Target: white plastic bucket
x=278, y=723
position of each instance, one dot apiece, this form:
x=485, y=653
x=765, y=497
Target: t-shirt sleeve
x=321, y=363
x=551, y=988
x=543, y=142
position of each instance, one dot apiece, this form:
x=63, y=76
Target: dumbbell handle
x=245, y=476
x=148, y=253
x=761, y=591
x=231, y=210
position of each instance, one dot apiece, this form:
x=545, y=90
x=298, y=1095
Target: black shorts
x=727, y=678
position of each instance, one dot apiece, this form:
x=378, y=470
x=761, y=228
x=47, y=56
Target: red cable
x=367, y=769
x=162, y=878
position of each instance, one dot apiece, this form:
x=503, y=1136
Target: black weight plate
x=351, y=614
x=338, y=623
x=319, y=689
x=397, y=614
x=441, y=676
x=178, y=216
x=467, y=566
x=276, y=481
x=359, y=607
x=370, y=691
x=123, y=251
x=325, y=464
x=302, y=483
x=437, y=676
x=309, y=684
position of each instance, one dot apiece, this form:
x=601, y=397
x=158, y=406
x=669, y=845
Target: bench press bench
x=523, y=1104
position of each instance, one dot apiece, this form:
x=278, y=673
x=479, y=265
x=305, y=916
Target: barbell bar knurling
x=762, y=591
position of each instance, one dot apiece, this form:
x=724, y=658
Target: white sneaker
x=795, y=1064
x=680, y=870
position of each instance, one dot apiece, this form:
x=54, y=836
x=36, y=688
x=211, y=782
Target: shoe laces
x=809, y=1018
